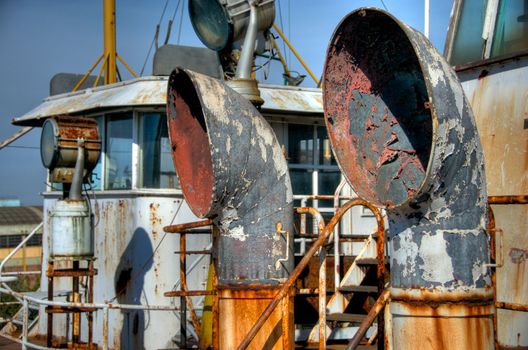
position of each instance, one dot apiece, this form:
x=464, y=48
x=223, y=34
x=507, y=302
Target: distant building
x=16, y=222
x=9, y=202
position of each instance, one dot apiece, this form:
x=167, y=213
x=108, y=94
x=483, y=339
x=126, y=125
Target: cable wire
x=154, y=38
x=171, y=21
x=385, y=6
x=180, y=25
x=282, y=26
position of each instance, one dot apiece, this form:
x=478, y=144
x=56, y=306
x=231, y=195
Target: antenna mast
x=110, y=67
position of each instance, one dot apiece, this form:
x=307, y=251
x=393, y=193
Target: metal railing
x=11, y=278
x=105, y=307
x=324, y=234
x=27, y=302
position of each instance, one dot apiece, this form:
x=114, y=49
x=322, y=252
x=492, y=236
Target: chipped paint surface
x=445, y=206
x=384, y=149
x=251, y=189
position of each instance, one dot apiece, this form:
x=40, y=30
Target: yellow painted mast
x=110, y=54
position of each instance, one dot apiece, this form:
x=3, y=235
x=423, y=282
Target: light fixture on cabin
x=224, y=24
x=59, y=146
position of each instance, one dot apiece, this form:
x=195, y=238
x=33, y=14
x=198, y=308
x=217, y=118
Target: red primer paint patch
x=191, y=152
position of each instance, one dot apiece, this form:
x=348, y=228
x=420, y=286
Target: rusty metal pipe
x=508, y=199
x=511, y=306
x=327, y=231
x=322, y=275
x=78, y=173
x=187, y=226
x=405, y=138
x=367, y=322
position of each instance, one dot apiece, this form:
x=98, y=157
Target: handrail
x=322, y=273
x=367, y=322
x=327, y=231
x=96, y=306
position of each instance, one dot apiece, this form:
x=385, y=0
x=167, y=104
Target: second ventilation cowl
x=232, y=170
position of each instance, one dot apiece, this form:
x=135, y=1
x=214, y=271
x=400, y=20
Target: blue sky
x=39, y=38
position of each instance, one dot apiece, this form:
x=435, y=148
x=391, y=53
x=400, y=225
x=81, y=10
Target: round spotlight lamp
x=59, y=145
x=219, y=23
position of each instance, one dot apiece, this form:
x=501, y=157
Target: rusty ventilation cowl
x=405, y=137
x=232, y=170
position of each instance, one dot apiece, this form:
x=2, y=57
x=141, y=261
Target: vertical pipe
x=109, y=41
x=287, y=340
x=49, y=335
x=90, y=300
x=76, y=317
x=105, y=328
x=183, y=284
x=245, y=63
x=337, y=248
x=380, y=275
x=322, y=294
x=426, y=18
x=25, y=310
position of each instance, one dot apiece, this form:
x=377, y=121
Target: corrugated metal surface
x=151, y=91
x=20, y=215
x=498, y=94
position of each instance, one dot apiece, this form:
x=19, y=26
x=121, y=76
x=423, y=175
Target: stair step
x=366, y=261
x=345, y=317
x=335, y=347
x=359, y=289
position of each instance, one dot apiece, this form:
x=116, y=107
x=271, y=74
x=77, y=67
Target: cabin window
x=313, y=168
x=468, y=45
x=157, y=168
x=118, y=141
x=511, y=28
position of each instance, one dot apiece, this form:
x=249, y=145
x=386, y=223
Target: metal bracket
x=499, y=254
x=280, y=231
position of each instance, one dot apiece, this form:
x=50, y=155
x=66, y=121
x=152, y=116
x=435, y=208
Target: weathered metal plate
x=152, y=91
x=498, y=94
x=191, y=151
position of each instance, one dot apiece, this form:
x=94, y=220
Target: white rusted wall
x=498, y=94
x=133, y=251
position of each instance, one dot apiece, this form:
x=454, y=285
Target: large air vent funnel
x=232, y=170
x=405, y=137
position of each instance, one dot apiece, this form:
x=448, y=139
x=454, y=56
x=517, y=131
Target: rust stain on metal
x=449, y=326
x=518, y=256
x=423, y=295
x=523, y=199
x=240, y=308
x=187, y=226
x=376, y=111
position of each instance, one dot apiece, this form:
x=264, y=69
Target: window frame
x=315, y=167
x=488, y=34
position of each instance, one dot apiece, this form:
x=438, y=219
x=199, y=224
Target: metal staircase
x=353, y=282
